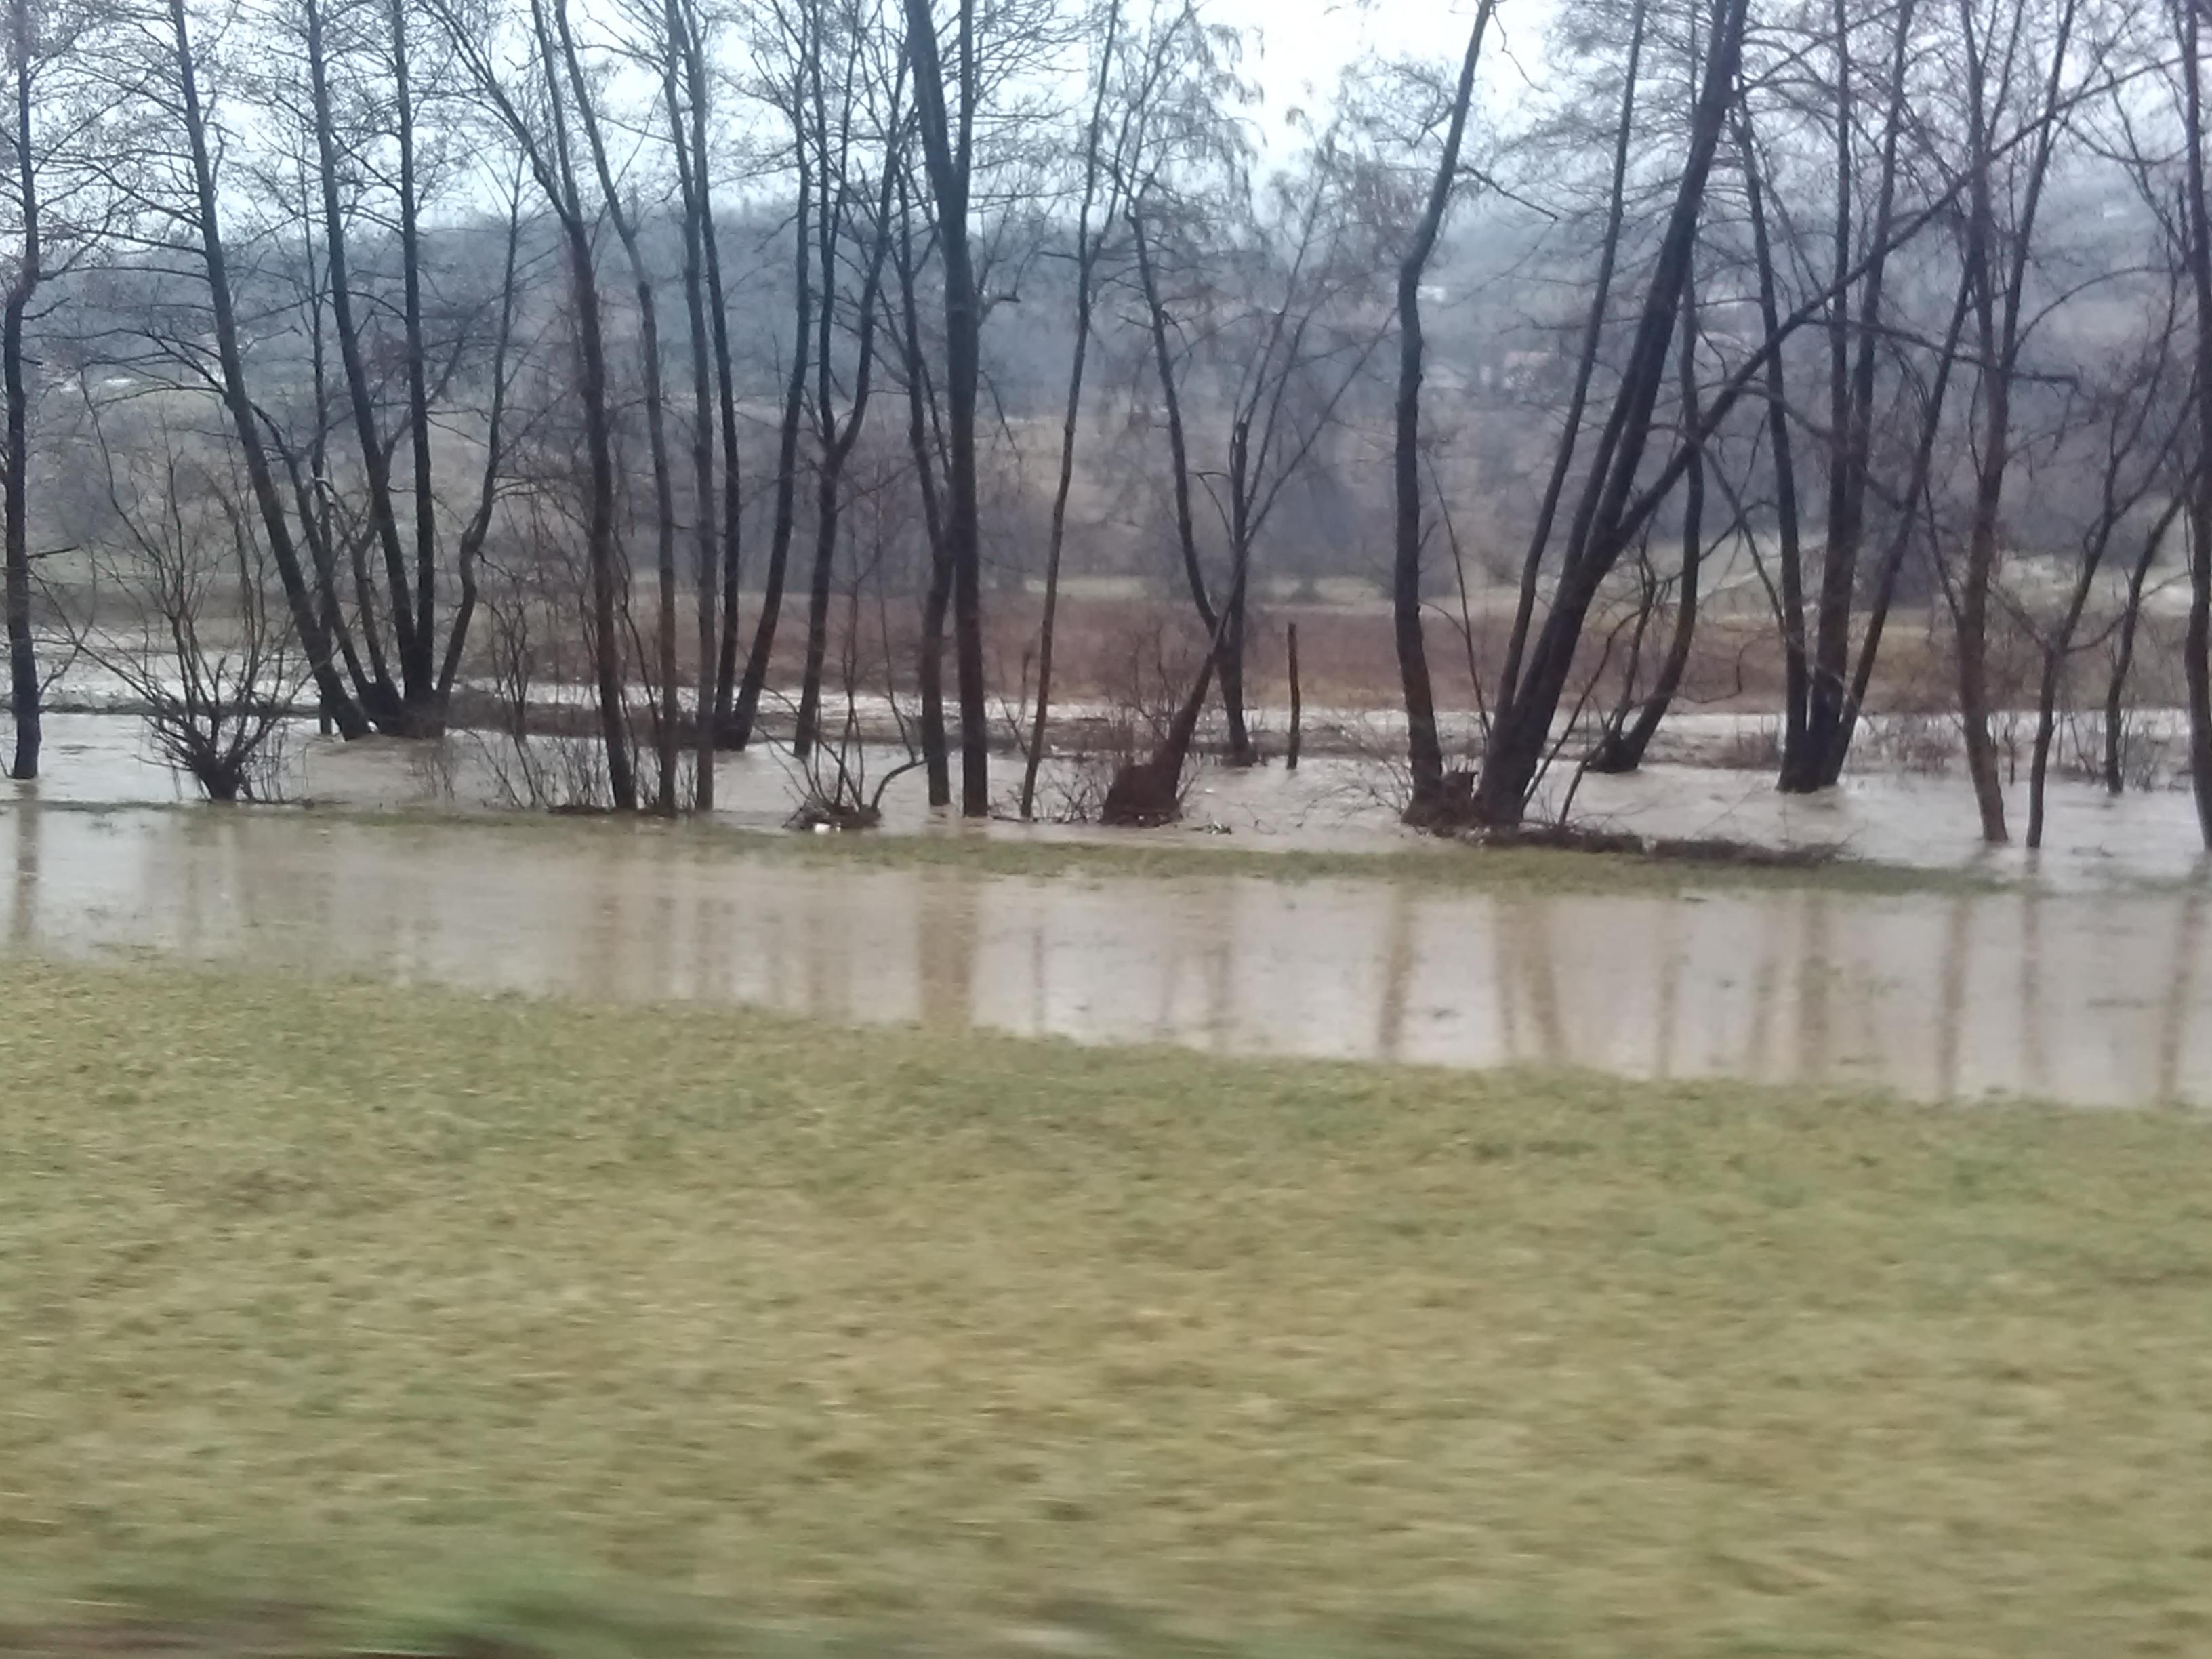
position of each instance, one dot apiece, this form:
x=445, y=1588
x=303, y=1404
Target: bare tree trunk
x=1517, y=643
x=1974, y=595
x=2124, y=649
x=2055, y=652
x=1424, y=752
x=1149, y=791
x=470, y=547
x=1229, y=642
x=345, y=713
x=313, y=494
x=1797, y=754
x=2197, y=644
x=2046, y=697
x=691, y=199
x=600, y=551
x=726, y=648
x=552, y=162
x=2114, y=504
x=14, y=472
x=920, y=408
x=1622, y=747
x=1523, y=729
x=787, y=472
x=1298, y=706
x=599, y=527
x=838, y=439
x=1972, y=628
x=376, y=466
x=1837, y=746
x=1230, y=672
x=1845, y=518
x=426, y=714
x=1818, y=759
x=656, y=422
x=946, y=140
x=1087, y=250
x=936, y=604
x=1178, y=443
x=829, y=465
x=1997, y=312
x=316, y=523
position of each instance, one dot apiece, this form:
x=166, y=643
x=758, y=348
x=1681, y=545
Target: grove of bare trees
x=720, y=367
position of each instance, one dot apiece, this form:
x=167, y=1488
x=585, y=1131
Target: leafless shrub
x=434, y=767
x=1146, y=673
x=1921, y=745
x=840, y=787
x=1749, y=749
x=195, y=640
x=1077, y=787
x=837, y=788
x=1385, y=774
x=2146, y=753
x=548, y=771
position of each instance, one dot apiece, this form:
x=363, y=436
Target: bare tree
x=547, y=150
x=946, y=102
x=1622, y=744
x=200, y=647
x=842, y=212
x=201, y=215
x=1613, y=506
x=784, y=61
x=1424, y=752
x=2197, y=648
x=55, y=200
x=672, y=27
x=1997, y=250
x=1088, y=244
x=2136, y=412
x=624, y=222
x=1815, y=730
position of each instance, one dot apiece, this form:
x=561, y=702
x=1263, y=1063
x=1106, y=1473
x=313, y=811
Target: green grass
x=591, y=1330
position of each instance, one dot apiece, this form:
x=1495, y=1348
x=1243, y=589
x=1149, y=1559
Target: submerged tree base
x=1143, y=795
x=1683, y=849
x=1445, y=808
x=825, y=815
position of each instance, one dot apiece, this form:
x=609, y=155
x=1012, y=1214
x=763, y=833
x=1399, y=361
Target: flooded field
x=2099, y=995
x=1337, y=802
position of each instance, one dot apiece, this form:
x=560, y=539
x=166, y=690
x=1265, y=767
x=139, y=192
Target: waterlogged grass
x=1441, y=865
x=1005, y=849
x=465, y=1326
x=1170, y=854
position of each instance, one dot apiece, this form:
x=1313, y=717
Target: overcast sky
x=1304, y=43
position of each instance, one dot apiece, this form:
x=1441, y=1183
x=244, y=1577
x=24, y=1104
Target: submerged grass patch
x=1172, y=854
x=588, y=1329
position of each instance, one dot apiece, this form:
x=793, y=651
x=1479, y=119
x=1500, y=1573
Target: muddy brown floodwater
x=1346, y=803
x=2099, y=998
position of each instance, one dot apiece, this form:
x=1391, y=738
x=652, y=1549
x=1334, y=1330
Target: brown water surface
x=2101, y=998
